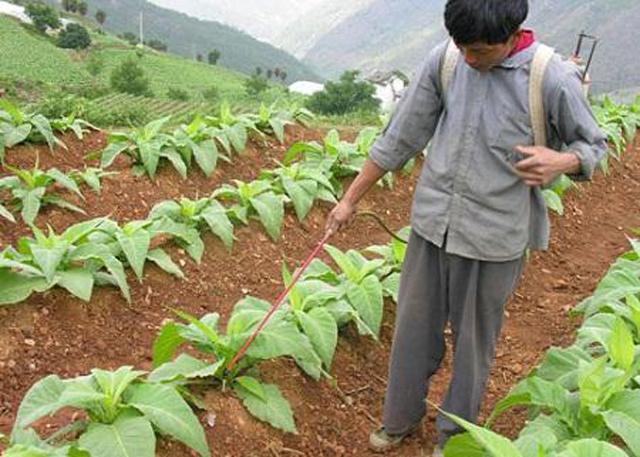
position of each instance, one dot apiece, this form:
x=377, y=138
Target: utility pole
x=141, y=28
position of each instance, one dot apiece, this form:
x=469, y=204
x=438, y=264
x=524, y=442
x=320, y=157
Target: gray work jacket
x=468, y=188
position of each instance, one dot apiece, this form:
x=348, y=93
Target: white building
x=18, y=12
x=306, y=87
x=389, y=88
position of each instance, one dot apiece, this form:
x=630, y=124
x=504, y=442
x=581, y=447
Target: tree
x=157, y=45
x=269, y=73
x=199, y=57
x=70, y=6
x=74, y=36
x=283, y=76
x=129, y=77
x=43, y=16
x=83, y=8
x=345, y=96
x=258, y=71
x=101, y=17
x=214, y=56
x=276, y=72
x=129, y=37
x=255, y=85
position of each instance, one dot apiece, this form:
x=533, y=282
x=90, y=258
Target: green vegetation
x=347, y=95
x=74, y=36
x=583, y=400
x=124, y=413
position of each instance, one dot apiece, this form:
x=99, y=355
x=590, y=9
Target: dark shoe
x=380, y=441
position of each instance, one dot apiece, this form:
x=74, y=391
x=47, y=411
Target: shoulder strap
x=539, y=66
x=449, y=65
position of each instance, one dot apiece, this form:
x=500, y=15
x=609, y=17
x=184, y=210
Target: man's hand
x=542, y=165
x=340, y=216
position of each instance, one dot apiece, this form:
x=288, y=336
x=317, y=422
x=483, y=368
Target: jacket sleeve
x=415, y=118
x=575, y=125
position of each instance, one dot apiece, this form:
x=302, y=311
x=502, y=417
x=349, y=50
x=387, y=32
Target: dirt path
x=56, y=333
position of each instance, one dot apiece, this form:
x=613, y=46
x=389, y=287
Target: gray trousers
x=437, y=287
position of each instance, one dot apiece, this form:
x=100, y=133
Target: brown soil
x=55, y=333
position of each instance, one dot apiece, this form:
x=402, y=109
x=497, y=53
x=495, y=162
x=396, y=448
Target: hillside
x=48, y=64
x=388, y=34
x=188, y=36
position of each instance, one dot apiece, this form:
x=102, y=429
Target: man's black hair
x=487, y=21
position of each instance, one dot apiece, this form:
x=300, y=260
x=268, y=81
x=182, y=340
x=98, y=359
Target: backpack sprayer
x=594, y=43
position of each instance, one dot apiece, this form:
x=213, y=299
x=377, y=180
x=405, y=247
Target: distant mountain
x=397, y=34
x=263, y=19
x=189, y=36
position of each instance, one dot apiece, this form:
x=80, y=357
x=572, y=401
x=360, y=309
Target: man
x=478, y=205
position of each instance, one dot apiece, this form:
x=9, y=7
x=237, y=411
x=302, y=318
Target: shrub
x=345, y=96
x=74, y=36
x=129, y=77
x=43, y=16
x=211, y=95
x=255, y=85
x=176, y=93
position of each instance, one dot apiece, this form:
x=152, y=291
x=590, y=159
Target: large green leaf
x=464, y=445
x=498, y=446
x=344, y=263
x=110, y=153
x=626, y=427
x=126, y=437
x=184, y=367
x=176, y=160
x=164, y=261
x=270, y=209
x=302, y=199
x=273, y=408
x=48, y=258
x=17, y=135
x=43, y=126
x=135, y=247
x=39, y=401
x=166, y=343
x=77, y=281
x=561, y=366
x=215, y=215
x=366, y=298
x=322, y=330
x=31, y=204
x=15, y=287
x=150, y=156
x=591, y=448
x=535, y=391
x=170, y=414
x=621, y=348
x=5, y=213
x=206, y=154
x=64, y=180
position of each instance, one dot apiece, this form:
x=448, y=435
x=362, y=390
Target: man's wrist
x=571, y=163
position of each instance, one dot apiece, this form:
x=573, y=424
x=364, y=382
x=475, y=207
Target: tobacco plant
x=255, y=199
x=270, y=121
x=68, y=260
x=280, y=337
x=17, y=127
x=124, y=414
x=146, y=146
x=32, y=189
x=78, y=126
x=205, y=212
x=302, y=184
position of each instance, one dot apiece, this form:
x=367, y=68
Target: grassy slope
x=46, y=63
x=43, y=61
